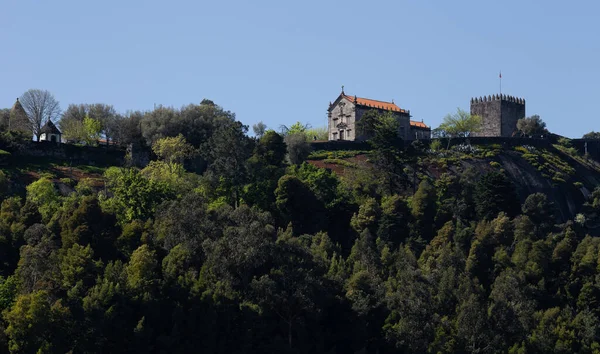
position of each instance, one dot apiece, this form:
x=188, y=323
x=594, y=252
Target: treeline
x=263, y=253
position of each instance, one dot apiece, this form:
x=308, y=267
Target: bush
x=495, y=164
x=339, y=162
x=436, y=145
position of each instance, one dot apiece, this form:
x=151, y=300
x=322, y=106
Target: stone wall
x=88, y=155
x=511, y=113
x=403, y=118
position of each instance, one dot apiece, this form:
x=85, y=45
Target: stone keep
x=499, y=114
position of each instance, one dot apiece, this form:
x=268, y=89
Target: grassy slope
x=566, y=178
x=23, y=170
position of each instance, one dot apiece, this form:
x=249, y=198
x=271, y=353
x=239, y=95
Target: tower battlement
x=491, y=98
x=499, y=114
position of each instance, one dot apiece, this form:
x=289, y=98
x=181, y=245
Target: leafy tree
x=40, y=106
x=291, y=290
x=495, y=193
x=299, y=206
x=591, y=135
x=423, y=211
x=259, y=129
x=298, y=148
x=460, y=125
x=540, y=211
x=107, y=117
x=388, y=156
x=91, y=130
x=44, y=195
x=230, y=148
x=295, y=128
x=159, y=123
x=133, y=196
x=36, y=325
x=533, y=125
x=265, y=167
x=320, y=133
x=4, y=118
x=141, y=271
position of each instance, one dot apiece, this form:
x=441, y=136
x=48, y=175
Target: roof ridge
x=370, y=99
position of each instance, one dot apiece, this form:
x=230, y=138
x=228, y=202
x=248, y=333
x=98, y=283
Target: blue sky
x=283, y=61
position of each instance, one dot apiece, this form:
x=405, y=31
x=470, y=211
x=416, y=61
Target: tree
x=133, y=195
x=259, y=129
x=298, y=148
x=295, y=128
x=460, y=125
x=173, y=150
x=320, y=133
x=533, y=125
x=40, y=106
x=44, y=196
x=388, y=154
x=299, y=206
x=591, y=135
x=495, y=193
x=107, y=116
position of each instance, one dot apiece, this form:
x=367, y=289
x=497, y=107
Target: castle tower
x=499, y=113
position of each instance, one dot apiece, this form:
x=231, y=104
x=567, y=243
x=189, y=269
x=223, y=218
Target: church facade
x=346, y=111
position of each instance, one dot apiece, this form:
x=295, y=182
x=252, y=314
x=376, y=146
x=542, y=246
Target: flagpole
x=500, y=82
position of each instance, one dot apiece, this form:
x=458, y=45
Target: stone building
x=50, y=133
x=346, y=111
x=499, y=114
x=18, y=120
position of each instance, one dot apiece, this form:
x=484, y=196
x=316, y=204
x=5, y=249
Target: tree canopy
x=533, y=125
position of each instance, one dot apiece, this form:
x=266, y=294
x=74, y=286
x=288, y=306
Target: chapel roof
x=50, y=128
x=367, y=102
x=388, y=106
x=414, y=123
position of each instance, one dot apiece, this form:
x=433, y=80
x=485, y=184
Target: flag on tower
x=500, y=74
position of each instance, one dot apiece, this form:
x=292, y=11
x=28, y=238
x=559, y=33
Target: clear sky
x=283, y=61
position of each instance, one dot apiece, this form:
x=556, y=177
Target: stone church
x=346, y=111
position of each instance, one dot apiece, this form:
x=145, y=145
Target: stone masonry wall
x=490, y=113
x=499, y=113
x=346, y=108
x=404, y=119
x=511, y=113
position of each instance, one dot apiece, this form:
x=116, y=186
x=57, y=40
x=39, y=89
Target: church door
x=53, y=138
x=341, y=135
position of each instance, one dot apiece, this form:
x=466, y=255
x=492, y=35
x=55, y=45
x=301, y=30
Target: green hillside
x=231, y=244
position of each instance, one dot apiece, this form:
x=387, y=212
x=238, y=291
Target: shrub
x=494, y=164
x=436, y=145
x=67, y=181
x=339, y=162
x=578, y=184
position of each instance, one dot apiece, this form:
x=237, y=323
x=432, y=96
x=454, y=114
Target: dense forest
x=227, y=243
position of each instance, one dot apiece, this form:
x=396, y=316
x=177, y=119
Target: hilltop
x=565, y=175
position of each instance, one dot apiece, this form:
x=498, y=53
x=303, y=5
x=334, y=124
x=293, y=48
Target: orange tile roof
x=388, y=106
x=418, y=124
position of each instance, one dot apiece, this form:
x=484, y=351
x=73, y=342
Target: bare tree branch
x=40, y=106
